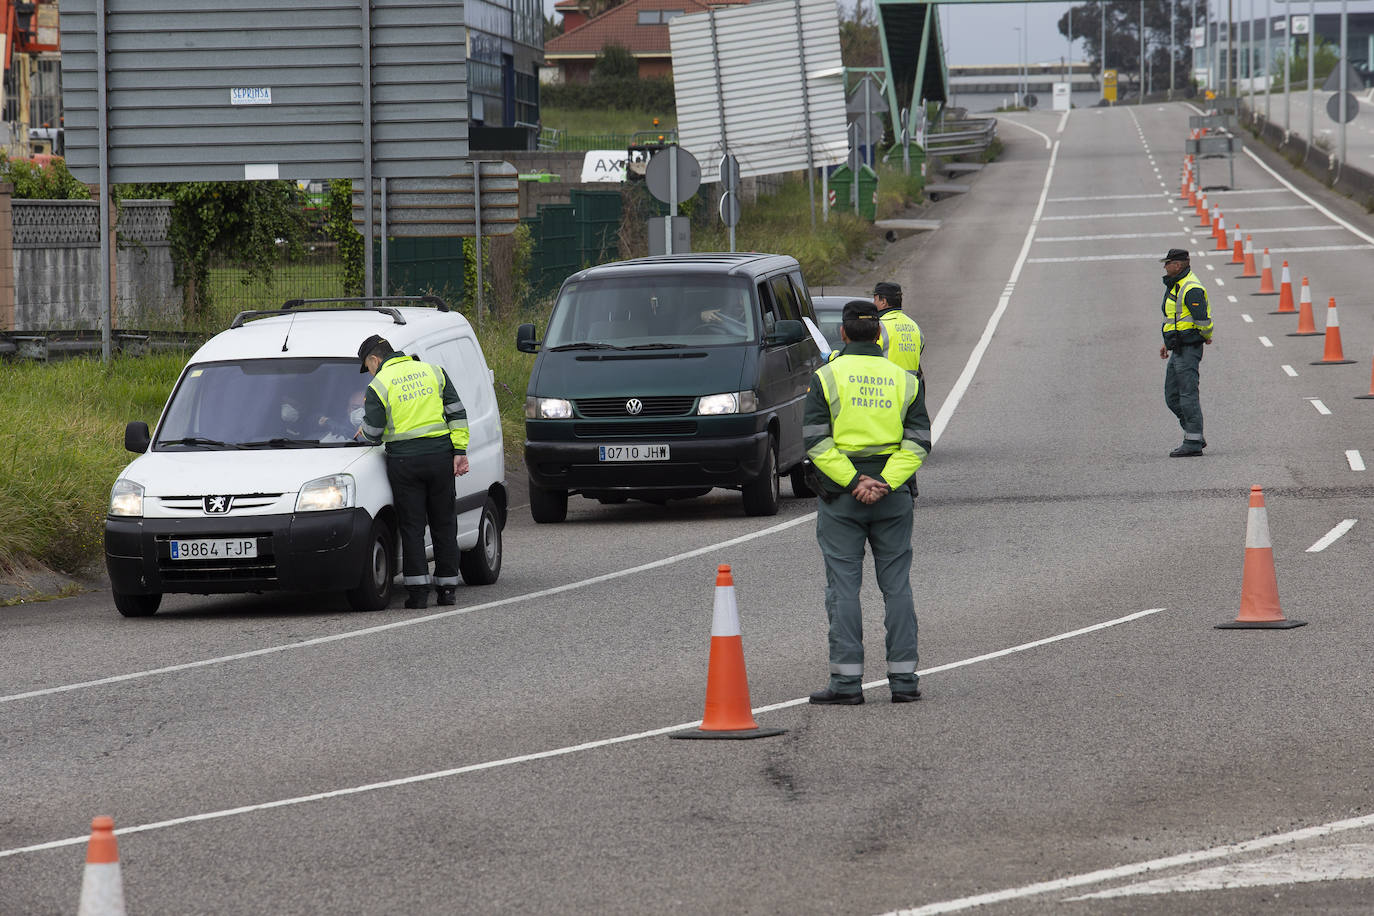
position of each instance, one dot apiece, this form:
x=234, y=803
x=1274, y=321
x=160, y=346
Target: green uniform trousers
x=1181, y=382
x=843, y=526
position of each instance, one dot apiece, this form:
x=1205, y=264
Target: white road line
x=1220, y=282
x=1292, y=373
x=1267, y=209
x=970, y=367
x=544, y=755
x=1056, y=200
x=1213, y=266
x=1026, y=127
x=1138, y=868
x=1211, y=194
x=1321, y=408
x=1320, y=209
x=1173, y=233
x=1050, y=219
x=1231, y=299
x=1356, y=461
x=1065, y=120
x=1246, y=318
x=1326, y=540
x=1266, y=341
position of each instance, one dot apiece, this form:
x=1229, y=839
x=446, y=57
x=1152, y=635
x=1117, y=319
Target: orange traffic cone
x=1285, y=293
x=1266, y=277
x=1204, y=213
x=1306, y=326
x=1332, y=355
x=1192, y=192
x=1259, y=588
x=1365, y=397
x=1220, y=232
x=728, y=713
x=102, y=890
x=1249, y=273
x=1238, y=255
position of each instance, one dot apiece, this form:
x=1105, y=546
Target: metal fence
x=316, y=273
x=953, y=138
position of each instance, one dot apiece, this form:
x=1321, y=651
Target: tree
x=859, y=42
x=1123, y=38
x=1325, y=57
x=615, y=62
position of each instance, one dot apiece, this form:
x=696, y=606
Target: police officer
x=900, y=334
x=1187, y=329
x=412, y=407
x=866, y=432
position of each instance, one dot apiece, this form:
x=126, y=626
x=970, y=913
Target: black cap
x=888, y=290
x=858, y=308
x=375, y=342
x=1175, y=254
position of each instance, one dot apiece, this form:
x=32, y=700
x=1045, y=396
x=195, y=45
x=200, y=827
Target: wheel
x=482, y=564
x=136, y=605
x=373, y=591
x=763, y=494
x=548, y=506
x=800, y=488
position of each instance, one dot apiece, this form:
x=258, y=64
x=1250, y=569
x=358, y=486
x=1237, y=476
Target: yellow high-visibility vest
x=413, y=393
x=868, y=398
x=1177, y=315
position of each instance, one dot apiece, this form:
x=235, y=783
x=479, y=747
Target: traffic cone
x=1365, y=397
x=102, y=890
x=1249, y=273
x=1285, y=293
x=1259, y=587
x=1192, y=193
x=1306, y=326
x=1332, y=355
x=728, y=712
x=1238, y=255
x=1204, y=215
x=1221, y=232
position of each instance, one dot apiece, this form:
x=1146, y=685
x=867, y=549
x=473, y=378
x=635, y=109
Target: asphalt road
x=1359, y=132
x=1085, y=730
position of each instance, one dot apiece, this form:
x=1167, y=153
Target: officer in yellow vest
x=866, y=432
x=414, y=410
x=1187, y=329
x=900, y=334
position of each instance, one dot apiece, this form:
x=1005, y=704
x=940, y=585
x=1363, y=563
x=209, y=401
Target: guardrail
x=952, y=138
x=48, y=345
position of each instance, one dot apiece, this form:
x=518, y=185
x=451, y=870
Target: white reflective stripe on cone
x=102, y=891
x=725, y=616
x=1257, y=529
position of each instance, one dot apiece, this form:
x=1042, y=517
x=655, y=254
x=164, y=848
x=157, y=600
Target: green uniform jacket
x=448, y=411
x=1190, y=323
x=895, y=468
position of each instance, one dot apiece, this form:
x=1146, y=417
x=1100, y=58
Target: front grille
x=664, y=406
x=633, y=430
x=196, y=504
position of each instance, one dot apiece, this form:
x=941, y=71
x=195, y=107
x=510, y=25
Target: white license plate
x=215, y=549
x=633, y=452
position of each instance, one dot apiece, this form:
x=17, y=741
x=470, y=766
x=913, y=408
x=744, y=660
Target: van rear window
x=669, y=310
x=264, y=403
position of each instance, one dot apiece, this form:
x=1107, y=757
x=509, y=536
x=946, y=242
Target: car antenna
x=288, y=333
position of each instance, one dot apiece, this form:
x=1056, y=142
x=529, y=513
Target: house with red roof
x=639, y=25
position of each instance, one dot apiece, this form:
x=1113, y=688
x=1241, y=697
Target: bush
x=42, y=182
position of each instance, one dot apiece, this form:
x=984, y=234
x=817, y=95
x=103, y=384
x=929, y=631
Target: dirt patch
x=33, y=583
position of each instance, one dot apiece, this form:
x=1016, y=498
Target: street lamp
x=1020, y=98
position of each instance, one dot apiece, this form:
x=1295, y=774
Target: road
x=1086, y=730
x=1359, y=132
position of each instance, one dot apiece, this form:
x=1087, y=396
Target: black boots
x=447, y=594
x=419, y=597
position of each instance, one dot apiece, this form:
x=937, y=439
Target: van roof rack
x=347, y=304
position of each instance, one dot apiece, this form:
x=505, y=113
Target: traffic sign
x=1031, y=100
x=866, y=97
x=1333, y=107
x=659, y=174
x=729, y=208
x=729, y=172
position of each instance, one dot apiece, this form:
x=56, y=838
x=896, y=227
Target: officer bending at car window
x=412, y=407
x=900, y=334
x=866, y=432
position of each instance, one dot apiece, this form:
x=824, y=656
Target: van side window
x=768, y=307
x=805, y=294
x=786, y=298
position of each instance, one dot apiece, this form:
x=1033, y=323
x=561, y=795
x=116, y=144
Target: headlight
x=333, y=492
x=734, y=402
x=547, y=408
x=126, y=498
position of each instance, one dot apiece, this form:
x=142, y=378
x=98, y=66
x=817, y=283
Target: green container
x=842, y=189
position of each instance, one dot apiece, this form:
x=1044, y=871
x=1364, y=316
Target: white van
x=253, y=480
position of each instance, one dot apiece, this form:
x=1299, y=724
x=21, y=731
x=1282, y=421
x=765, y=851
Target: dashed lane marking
x=1326, y=540
x=1246, y=318
x=1354, y=459
x=1321, y=408
x=1266, y=341
x=1292, y=373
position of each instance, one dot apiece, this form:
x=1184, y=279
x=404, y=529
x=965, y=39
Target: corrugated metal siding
x=172, y=63
x=762, y=74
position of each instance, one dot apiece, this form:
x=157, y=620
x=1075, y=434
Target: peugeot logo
x=217, y=505
x=633, y=406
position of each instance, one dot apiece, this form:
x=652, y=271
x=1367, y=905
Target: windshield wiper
x=197, y=440
x=585, y=345
x=656, y=346
x=278, y=442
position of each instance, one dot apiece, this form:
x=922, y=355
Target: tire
x=482, y=564
x=763, y=494
x=800, y=489
x=548, y=506
x=137, y=605
x=373, y=591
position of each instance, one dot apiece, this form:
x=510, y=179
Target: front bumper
x=307, y=551
x=693, y=463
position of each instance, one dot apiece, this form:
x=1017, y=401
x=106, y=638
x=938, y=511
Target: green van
x=660, y=378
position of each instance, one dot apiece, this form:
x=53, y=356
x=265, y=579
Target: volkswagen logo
x=633, y=406
x=217, y=505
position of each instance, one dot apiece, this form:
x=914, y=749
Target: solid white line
x=1049, y=219
x=1266, y=341
x=1056, y=200
x=1211, y=194
x=1267, y=210
x=1320, y=209
x=1126, y=871
x=1352, y=455
x=1321, y=408
x=1062, y=121
x=544, y=755
x=1292, y=373
x=1330, y=537
x=970, y=367
x=1173, y=233
x=1026, y=127
x=428, y=618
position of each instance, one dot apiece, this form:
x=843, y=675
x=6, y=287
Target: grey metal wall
x=172, y=66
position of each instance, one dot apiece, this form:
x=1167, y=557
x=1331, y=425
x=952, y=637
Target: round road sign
x=659, y=174
x=1333, y=107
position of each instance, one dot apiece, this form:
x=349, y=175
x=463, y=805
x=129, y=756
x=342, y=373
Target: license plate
x=215, y=549
x=633, y=452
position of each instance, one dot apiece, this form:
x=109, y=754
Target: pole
x=1344, y=64
x=1172, y=4
x=1230, y=51
x=1140, y=75
x=1288, y=47
x=102, y=132
x=1250, y=57
x=1268, y=59
x=367, y=148
x=672, y=200
x=1025, y=51
x=385, y=282
x=806, y=113
x=1311, y=76
x=1102, y=52
x=477, y=241
x=1068, y=60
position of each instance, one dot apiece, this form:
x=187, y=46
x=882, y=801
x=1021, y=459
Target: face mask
x=289, y=414
x=355, y=416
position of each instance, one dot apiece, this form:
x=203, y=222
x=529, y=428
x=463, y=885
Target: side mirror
x=524, y=339
x=137, y=438
x=785, y=332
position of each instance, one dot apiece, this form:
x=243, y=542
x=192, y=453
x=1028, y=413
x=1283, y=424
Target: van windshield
x=657, y=311
x=264, y=404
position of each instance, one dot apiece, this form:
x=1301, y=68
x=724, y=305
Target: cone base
x=740, y=735
x=1265, y=294
x=1332, y=362
x=1280, y=311
x=1307, y=334
x=1260, y=625
x=1364, y=397
x=1247, y=276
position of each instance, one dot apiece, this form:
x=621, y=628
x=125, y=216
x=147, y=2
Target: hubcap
x=379, y=576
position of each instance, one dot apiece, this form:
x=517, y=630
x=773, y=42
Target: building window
x=655, y=17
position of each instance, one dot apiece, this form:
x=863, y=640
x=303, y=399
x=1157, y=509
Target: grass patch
x=604, y=121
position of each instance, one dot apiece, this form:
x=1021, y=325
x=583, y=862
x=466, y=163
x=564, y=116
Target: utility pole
x=1140, y=75
x=1102, y=51
x=1172, y=5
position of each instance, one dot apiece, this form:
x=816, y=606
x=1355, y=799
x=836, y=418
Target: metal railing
x=952, y=138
